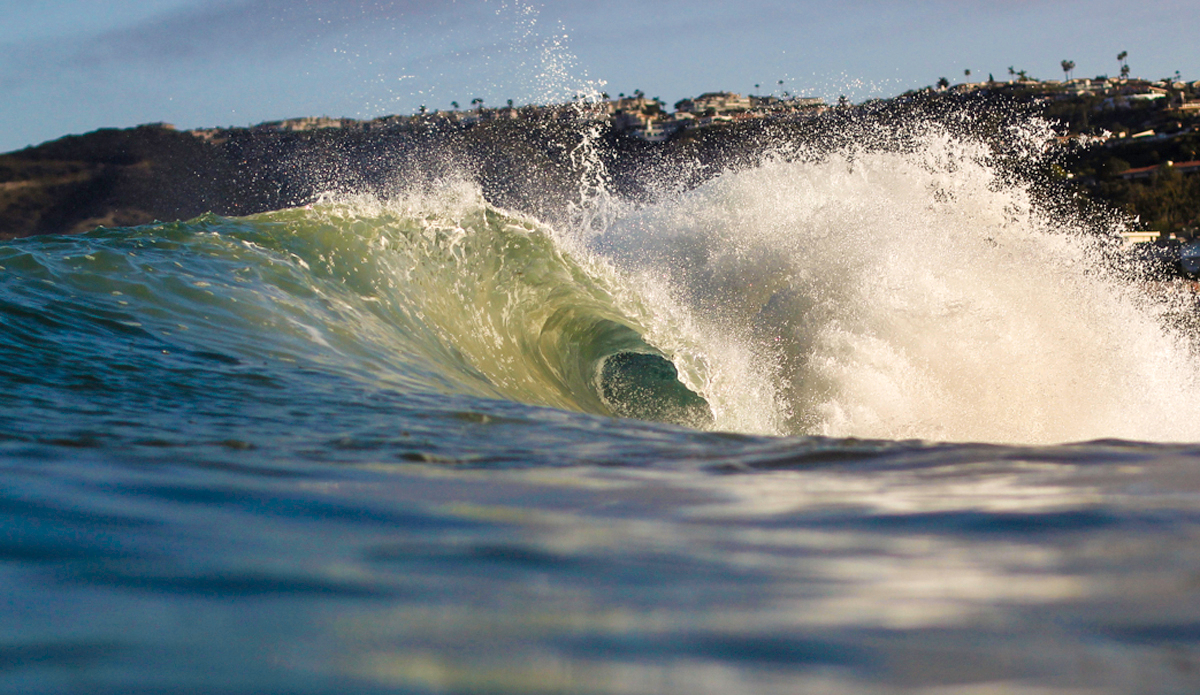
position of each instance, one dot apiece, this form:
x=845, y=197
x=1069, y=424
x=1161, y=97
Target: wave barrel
x=647, y=387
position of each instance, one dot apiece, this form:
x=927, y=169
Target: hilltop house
x=630, y=104
x=714, y=103
x=308, y=123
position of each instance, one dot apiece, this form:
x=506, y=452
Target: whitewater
x=885, y=415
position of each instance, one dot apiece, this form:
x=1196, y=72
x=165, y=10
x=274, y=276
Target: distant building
x=714, y=102
x=215, y=136
x=630, y=120
x=1131, y=237
x=654, y=131
x=628, y=104
x=716, y=119
x=301, y=124
x=682, y=119
x=1147, y=172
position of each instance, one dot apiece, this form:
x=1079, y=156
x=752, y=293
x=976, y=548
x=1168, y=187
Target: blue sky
x=70, y=66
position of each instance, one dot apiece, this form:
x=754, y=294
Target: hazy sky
x=71, y=66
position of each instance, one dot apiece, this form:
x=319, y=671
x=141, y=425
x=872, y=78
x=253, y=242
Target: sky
x=72, y=66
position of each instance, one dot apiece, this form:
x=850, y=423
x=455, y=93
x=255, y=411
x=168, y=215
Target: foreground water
x=727, y=443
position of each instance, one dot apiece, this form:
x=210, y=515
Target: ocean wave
x=901, y=288
x=446, y=295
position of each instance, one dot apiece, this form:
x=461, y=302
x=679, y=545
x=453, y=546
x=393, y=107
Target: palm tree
x=967, y=72
x=943, y=83
x=1124, y=65
x=454, y=104
x=1067, y=67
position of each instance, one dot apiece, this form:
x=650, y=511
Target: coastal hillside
x=1130, y=146
x=153, y=172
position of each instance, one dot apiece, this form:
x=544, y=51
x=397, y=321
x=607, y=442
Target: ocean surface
x=870, y=420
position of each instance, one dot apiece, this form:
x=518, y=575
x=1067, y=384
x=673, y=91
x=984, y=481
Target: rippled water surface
x=645, y=559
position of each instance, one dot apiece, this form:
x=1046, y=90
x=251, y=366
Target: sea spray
x=912, y=285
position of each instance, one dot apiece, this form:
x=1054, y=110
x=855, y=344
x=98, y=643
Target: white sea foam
x=908, y=292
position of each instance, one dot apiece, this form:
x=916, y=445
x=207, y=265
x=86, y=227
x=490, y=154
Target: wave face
x=425, y=295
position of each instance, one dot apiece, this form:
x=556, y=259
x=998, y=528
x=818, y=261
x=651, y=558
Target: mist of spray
x=909, y=291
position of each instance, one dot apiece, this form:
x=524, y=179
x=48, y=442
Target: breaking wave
x=907, y=291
